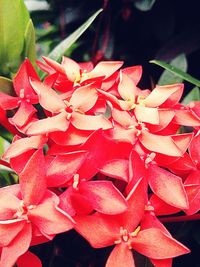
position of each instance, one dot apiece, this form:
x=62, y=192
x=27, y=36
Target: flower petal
x=8, y=102
x=22, y=78
x=9, y=231
x=161, y=94
x=24, y=144
x=89, y=122
x=155, y=244
x=135, y=73
x=63, y=167
x=116, y=168
x=167, y=186
x=120, y=256
x=48, y=98
x=104, y=68
x=23, y=114
x=84, y=98
x=33, y=180
x=159, y=143
x=146, y=114
x=127, y=88
x=72, y=69
x=17, y=247
x=29, y=259
x=49, y=219
x=103, y=196
x=98, y=230
x=51, y=124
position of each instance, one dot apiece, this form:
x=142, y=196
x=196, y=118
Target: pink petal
x=103, y=196
x=9, y=231
x=162, y=263
x=161, y=144
x=100, y=231
x=86, y=66
x=161, y=94
x=186, y=118
x=127, y=88
x=8, y=102
x=54, y=65
x=17, y=247
x=96, y=156
x=84, y=98
x=18, y=163
x=135, y=73
x=105, y=68
x=33, y=180
x=21, y=80
x=165, y=117
x=161, y=207
x=136, y=199
x=24, y=144
x=49, y=219
x=182, y=141
x=193, y=193
x=155, y=244
x=194, y=149
x=124, y=118
x=72, y=68
x=72, y=136
x=51, y=124
x=48, y=98
x=145, y=114
x=23, y=114
x=29, y=259
x=80, y=203
x=89, y=122
x=9, y=204
x=116, y=168
x=120, y=256
x=63, y=167
x=167, y=186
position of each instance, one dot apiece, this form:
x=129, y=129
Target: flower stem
x=184, y=218
x=4, y=163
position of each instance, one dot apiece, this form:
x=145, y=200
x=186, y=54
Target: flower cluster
x=95, y=153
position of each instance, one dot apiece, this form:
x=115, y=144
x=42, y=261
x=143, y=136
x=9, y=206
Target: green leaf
x=6, y=86
x=29, y=42
x=144, y=5
x=13, y=20
x=193, y=95
x=62, y=48
x=169, y=78
x=177, y=72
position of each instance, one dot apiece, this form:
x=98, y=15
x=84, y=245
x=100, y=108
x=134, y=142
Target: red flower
x=123, y=231
x=29, y=212
x=25, y=98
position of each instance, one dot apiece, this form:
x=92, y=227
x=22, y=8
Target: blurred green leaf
x=193, y=95
x=6, y=85
x=144, y=5
x=1, y=146
x=29, y=42
x=13, y=22
x=176, y=71
x=5, y=134
x=62, y=48
x=168, y=77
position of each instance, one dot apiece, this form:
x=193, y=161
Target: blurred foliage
x=135, y=31
x=16, y=35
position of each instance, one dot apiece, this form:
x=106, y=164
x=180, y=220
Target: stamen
x=76, y=181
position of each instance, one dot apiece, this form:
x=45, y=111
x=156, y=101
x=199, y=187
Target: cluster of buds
x=95, y=153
